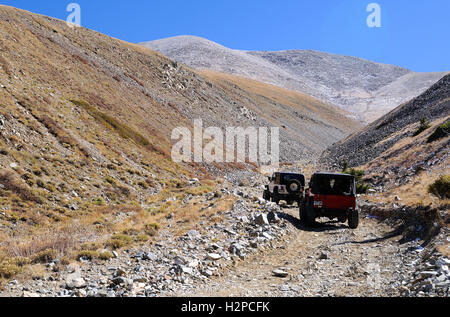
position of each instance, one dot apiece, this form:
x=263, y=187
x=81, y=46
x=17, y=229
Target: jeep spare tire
x=294, y=186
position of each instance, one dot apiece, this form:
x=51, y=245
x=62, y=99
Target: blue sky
x=414, y=33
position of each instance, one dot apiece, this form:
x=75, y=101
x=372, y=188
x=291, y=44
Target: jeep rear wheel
x=266, y=195
x=307, y=215
x=276, y=196
x=302, y=208
x=353, y=219
x=310, y=215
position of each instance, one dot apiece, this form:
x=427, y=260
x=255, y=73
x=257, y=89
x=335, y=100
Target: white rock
x=75, y=281
x=187, y=270
x=214, y=256
x=426, y=274
x=30, y=294
x=280, y=273
x=442, y=261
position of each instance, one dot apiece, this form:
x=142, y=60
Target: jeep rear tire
x=302, y=208
x=276, y=196
x=266, y=195
x=310, y=215
x=353, y=219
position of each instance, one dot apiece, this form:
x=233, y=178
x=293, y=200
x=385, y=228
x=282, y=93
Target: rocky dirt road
x=327, y=260
x=258, y=249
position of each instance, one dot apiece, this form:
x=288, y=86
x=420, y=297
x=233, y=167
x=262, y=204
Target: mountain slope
x=354, y=84
x=309, y=121
x=396, y=157
x=85, y=132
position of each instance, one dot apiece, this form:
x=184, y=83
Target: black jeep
x=285, y=186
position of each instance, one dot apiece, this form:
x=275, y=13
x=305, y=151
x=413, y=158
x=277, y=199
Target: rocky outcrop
x=383, y=134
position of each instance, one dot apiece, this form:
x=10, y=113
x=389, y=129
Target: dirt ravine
x=327, y=260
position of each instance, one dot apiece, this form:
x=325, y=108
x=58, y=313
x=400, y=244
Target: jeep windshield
x=286, y=178
x=339, y=185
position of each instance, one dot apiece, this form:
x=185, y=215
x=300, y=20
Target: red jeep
x=332, y=196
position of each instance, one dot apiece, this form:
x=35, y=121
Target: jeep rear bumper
x=331, y=213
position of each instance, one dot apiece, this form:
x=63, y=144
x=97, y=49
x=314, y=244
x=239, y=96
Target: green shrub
x=111, y=180
x=441, y=187
x=142, y=238
x=424, y=125
x=45, y=256
x=87, y=254
x=119, y=241
x=9, y=269
x=361, y=187
x=441, y=132
x=105, y=256
x=151, y=229
x=111, y=123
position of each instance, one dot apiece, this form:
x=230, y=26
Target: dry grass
x=54, y=128
x=37, y=246
x=12, y=183
x=406, y=155
x=113, y=124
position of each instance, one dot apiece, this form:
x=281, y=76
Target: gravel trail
x=328, y=260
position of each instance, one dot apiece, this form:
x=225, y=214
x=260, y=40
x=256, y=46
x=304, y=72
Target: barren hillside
x=311, y=122
x=399, y=155
x=85, y=127
x=367, y=89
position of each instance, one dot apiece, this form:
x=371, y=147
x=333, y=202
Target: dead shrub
x=54, y=128
x=12, y=183
x=42, y=247
x=140, y=83
x=80, y=59
x=5, y=66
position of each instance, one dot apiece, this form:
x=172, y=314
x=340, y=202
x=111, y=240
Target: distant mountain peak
x=352, y=83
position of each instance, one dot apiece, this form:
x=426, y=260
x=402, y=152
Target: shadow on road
x=335, y=225
x=317, y=227
x=398, y=231
x=395, y=233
